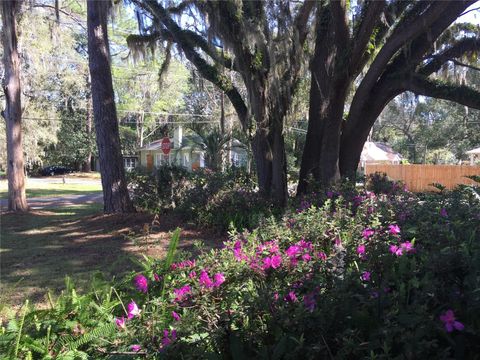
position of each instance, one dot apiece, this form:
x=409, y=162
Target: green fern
x=71, y=342
x=172, y=248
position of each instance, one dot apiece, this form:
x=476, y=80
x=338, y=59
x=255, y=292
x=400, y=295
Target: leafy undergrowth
x=344, y=275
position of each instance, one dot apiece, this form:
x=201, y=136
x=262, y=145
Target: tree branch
x=456, y=50
x=301, y=20
x=461, y=94
x=209, y=72
x=363, y=33
x=57, y=10
x=458, y=63
x=405, y=31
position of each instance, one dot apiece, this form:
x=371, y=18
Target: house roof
x=154, y=145
x=376, y=151
x=473, y=151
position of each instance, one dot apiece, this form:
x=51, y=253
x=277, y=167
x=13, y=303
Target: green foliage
x=348, y=274
x=211, y=199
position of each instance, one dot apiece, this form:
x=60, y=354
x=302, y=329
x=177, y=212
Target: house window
x=130, y=163
x=185, y=160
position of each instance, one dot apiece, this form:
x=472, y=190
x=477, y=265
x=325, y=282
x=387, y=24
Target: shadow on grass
x=40, y=248
x=33, y=193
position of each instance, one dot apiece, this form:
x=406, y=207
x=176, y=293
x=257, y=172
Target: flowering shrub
x=363, y=275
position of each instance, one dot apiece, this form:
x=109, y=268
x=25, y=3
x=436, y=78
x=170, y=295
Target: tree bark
x=87, y=164
x=330, y=81
x=115, y=194
x=17, y=200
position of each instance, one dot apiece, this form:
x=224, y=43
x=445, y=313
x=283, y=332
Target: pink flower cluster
x=238, y=252
x=403, y=248
x=450, y=322
x=181, y=293
x=132, y=311
x=168, y=338
x=367, y=233
x=300, y=251
x=183, y=264
x=141, y=283
x=394, y=229
x=205, y=281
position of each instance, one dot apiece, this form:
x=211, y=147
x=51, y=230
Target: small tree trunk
x=17, y=200
x=115, y=193
x=87, y=165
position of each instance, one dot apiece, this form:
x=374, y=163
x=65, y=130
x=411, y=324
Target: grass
x=38, y=249
x=53, y=189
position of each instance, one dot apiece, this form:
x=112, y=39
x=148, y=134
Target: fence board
x=418, y=177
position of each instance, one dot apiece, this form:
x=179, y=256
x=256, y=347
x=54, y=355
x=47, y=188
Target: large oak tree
x=389, y=47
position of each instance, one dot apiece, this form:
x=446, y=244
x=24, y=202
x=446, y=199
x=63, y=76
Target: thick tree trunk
x=330, y=81
x=115, y=193
x=17, y=200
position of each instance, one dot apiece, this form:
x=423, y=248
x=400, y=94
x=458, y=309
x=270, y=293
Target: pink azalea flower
x=291, y=297
x=267, y=263
x=361, y=250
x=407, y=246
x=133, y=310
x=322, y=256
x=276, y=261
x=168, y=338
x=205, y=280
x=305, y=244
x=120, y=322
x=135, y=348
x=192, y=275
x=181, y=293
x=141, y=283
x=175, y=316
x=219, y=279
x=306, y=257
x=396, y=250
x=367, y=233
x=366, y=276
x=292, y=251
x=394, y=229
x=448, y=319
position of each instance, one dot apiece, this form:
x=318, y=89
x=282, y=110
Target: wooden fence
x=419, y=177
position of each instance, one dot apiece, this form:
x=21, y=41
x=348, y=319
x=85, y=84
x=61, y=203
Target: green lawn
x=39, y=248
x=53, y=189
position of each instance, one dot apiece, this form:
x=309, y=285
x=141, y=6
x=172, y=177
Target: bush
x=364, y=276
x=211, y=199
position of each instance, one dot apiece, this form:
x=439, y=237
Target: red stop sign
x=166, y=145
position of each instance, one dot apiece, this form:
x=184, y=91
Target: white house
x=473, y=153
x=378, y=153
x=183, y=152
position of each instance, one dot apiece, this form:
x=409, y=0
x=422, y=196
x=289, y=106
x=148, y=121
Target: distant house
x=378, y=153
x=474, y=153
x=184, y=152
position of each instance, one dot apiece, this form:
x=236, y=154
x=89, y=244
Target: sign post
x=166, y=145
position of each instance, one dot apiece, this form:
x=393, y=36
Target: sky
x=471, y=16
